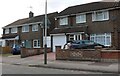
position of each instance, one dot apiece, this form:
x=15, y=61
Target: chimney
x=31, y=14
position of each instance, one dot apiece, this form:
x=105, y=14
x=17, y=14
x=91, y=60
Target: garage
x=58, y=40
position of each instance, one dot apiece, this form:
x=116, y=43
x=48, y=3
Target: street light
x=45, y=45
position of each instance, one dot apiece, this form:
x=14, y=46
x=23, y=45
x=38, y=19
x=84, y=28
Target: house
x=2, y=43
x=96, y=21
x=29, y=32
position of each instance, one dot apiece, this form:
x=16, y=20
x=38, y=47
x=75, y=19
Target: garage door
x=58, y=40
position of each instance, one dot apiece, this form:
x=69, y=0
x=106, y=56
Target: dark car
x=84, y=44
x=16, y=49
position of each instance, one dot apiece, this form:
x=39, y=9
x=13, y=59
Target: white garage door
x=58, y=40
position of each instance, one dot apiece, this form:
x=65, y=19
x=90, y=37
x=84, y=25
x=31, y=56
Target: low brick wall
x=96, y=54
x=26, y=52
x=77, y=54
x=5, y=50
x=110, y=55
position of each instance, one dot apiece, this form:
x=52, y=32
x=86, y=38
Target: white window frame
x=75, y=37
x=7, y=31
x=63, y=21
x=37, y=45
x=104, y=15
x=35, y=27
x=101, y=38
x=81, y=18
x=78, y=37
x=25, y=28
x=14, y=30
x=71, y=37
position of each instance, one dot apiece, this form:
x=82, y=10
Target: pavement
x=38, y=61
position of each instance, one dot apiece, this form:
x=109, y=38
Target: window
x=104, y=39
x=81, y=18
x=75, y=37
x=100, y=16
x=0, y=43
x=7, y=31
x=64, y=21
x=34, y=27
x=36, y=43
x=78, y=37
x=27, y=44
x=71, y=37
x=14, y=30
x=25, y=28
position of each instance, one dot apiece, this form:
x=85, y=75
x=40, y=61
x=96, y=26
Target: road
x=19, y=69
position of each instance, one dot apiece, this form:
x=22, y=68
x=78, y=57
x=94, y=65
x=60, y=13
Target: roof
x=68, y=30
x=35, y=19
x=88, y=7
x=9, y=36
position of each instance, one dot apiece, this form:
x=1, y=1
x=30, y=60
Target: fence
x=77, y=54
x=26, y=52
x=5, y=50
x=96, y=54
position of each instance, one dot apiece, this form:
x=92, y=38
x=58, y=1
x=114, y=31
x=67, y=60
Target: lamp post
x=45, y=45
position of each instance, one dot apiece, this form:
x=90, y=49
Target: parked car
x=16, y=49
x=84, y=44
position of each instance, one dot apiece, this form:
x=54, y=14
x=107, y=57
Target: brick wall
x=77, y=54
x=97, y=54
x=26, y=52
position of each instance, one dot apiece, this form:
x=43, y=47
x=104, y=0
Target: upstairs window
x=7, y=31
x=64, y=21
x=81, y=18
x=100, y=16
x=25, y=28
x=14, y=30
x=34, y=27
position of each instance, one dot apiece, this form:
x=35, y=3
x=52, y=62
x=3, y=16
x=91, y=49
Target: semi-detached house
x=29, y=32
x=97, y=21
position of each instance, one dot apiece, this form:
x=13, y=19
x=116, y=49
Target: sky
x=12, y=10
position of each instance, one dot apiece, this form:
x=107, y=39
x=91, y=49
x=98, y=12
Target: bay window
x=104, y=39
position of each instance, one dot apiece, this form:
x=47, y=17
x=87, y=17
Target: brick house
x=97, y=21
x=28, y=32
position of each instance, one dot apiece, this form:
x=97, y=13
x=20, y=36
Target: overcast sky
x=12, y=10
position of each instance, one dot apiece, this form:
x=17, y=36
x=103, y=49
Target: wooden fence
x=5, y=50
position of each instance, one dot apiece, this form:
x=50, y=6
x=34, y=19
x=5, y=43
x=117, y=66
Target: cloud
x=12, y=10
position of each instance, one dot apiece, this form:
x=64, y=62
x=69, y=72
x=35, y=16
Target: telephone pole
x=45, y=45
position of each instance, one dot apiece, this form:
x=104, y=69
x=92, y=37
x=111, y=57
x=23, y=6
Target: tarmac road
x=19, y=69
